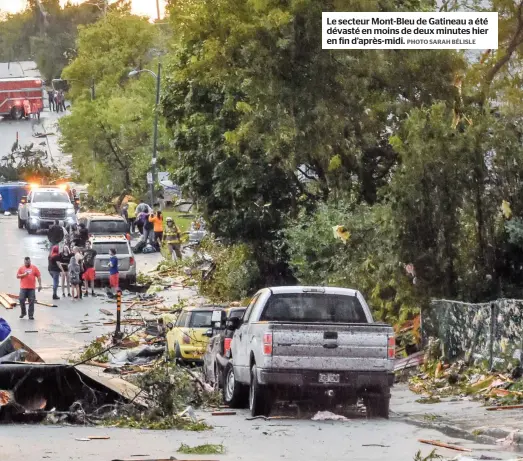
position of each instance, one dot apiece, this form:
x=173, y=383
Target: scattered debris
x=223, y=413
x=430, y=457
x=98, y=437
x=443, y=445
x=375, y=445
x=328, y=416
x=206, y=449
x=505, y=407
x=106, y=312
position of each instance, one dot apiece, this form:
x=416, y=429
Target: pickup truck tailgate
x=344, y=347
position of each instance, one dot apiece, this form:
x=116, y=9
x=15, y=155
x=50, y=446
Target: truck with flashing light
x=21, y=97
x=43, y=206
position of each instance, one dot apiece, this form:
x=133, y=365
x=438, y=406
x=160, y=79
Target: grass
x=207, y=449
x=182, y=220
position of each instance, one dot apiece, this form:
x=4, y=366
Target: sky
x=143, y=7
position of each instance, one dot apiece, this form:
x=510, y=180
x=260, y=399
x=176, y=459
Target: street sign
x=161, y=176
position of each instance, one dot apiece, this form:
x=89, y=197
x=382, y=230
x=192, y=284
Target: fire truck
x=21, y=97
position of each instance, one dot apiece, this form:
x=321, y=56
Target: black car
x=219, y=345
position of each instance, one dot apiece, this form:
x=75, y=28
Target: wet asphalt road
x=58, y=329
x=27, y=128
x=58, y=337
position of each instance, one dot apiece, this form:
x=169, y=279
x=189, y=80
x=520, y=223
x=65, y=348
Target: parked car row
x=297, y=343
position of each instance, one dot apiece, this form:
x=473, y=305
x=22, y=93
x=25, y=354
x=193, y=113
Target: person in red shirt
x=28, y=274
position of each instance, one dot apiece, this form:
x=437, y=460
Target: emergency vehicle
x=21, y=97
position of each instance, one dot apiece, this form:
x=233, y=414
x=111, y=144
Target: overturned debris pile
x=34, y=392
x=496, y=387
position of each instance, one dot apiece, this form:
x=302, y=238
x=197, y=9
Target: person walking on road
x=62, y=101
x=28, y=274
x=54, y=269
x=157, y=221
x=63, y=264
x=90, y=273
x=148, y=229
x=50, y=96
x=131, y=216
x=114, y=273
x=74, y=274
x=172, y=237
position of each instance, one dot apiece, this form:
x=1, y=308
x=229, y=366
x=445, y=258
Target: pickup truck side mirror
x=218, y=319
x=208, y=333
x=233, y=323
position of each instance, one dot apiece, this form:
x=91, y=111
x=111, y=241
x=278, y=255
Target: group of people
x=74, y=267
x=56, y=100
x=150, y=225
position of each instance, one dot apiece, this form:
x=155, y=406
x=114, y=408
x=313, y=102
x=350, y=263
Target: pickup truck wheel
x=377, y=407
x=260, y=398
x=29, y=230
x=234, y=393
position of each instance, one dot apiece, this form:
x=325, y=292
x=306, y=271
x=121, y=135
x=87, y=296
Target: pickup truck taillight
x=267, y=344
x=226, y=345
x=391, y=347
x=131, y=261
x=186, y=339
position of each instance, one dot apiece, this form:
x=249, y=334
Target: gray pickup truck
x=298, y=343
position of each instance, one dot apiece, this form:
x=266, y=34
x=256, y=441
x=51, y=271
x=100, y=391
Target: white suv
x=43, y=206
x=126, y=260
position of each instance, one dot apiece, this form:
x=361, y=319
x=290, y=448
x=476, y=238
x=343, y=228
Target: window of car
x=47, y=196
x=250, y=307
x=106, y=226
x=102, y=248
x=182, y=319
x=200, y=319
x=314, y=308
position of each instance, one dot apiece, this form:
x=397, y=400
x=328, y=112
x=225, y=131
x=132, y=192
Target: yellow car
x=188, y=338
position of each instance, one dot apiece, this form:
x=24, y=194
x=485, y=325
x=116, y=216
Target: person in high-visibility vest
x=172, y=237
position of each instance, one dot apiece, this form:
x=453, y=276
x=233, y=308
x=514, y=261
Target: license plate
x=329, y=378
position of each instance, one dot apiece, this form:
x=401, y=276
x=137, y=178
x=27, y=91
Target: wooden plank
x=437, y=443
x=505, y=407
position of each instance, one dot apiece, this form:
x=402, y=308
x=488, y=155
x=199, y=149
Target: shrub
x=236, y=272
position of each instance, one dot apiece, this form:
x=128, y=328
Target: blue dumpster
x=12, y=193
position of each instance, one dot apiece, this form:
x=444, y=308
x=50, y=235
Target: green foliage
x=368, y=262
x=94, y=351
x=430, y=457
x=206, y=449
x=46, y=33
x=110, y=139
x=251, y=98
x=236, y=274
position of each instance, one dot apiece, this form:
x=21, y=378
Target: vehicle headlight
x=34, y=211
x=70, y=211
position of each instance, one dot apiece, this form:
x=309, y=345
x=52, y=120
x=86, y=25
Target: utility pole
x=158, y=9
x=155, y=136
